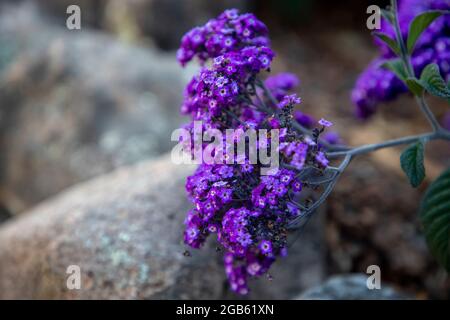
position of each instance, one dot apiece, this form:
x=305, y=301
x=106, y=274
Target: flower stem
x=398, y=33
x=406, y=59
x=328, y=189
x=440, y=134
x=428, y=113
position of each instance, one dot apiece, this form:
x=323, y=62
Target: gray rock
x=76, y=104
x=350, y=287
x=124, y=231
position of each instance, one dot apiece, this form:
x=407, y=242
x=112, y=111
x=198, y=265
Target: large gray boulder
x=124, y=231
x=76, y=104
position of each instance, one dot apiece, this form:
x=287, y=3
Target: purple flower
x=229, y=32
x=253, y=268
x=246, y=167
x=225, y=195
x=293, y=211
x=225, y=171
x=266, y=247
x=322, y=159
x=296, y=153
x=376, y=85
x=297, y=186
x=325, y=123
x=249, y=212
x=289, y=100
x=304, y=119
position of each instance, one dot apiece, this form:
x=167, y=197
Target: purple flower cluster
x=376, y=85
x=221, y=86
x=249, y=212
x=230, y=31
x=289, y=100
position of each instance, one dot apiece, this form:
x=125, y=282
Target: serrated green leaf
x=432, y=81
x=411, y=162
x=419, y=24
x=396, y=66
x=435, y=218
x=391, y=43
x=414, y=86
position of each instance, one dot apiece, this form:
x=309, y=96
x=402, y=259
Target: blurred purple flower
x=325, y=123
x=376, y=85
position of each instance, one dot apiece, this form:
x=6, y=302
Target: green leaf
x=419, y=24
x=414, y=86
x=432, y=81
x=396, y=66
x=411, y=162
x=391, y=43
x=435, y=218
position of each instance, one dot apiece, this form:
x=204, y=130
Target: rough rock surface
x=350, y=287
x=75, y=104
x=124, y=230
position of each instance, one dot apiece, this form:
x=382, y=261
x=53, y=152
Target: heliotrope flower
x=289, y=100
x=304, y=119
x=230, y=31
x=249, y=212
x=219, y=89
x=325, y=123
